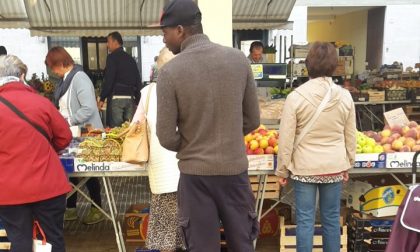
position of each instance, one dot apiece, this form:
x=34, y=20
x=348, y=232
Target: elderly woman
x=75, y=98
x=317, y=147
x=33, y=184
x=163, y=175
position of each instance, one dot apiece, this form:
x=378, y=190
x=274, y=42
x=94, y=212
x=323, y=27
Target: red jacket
x=30, y=169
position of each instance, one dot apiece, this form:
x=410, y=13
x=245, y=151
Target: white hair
x=164, y=57
x=11, y=65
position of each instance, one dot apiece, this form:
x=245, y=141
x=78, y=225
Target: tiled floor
x=101, y=238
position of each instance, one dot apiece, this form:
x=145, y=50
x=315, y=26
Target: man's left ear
x=180, y=29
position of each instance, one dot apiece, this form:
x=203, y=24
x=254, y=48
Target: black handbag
x=23, y=116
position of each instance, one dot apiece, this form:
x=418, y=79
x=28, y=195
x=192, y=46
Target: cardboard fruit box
x=379, y=201
x=261, y=162
x=136, y=220
x=373, y=160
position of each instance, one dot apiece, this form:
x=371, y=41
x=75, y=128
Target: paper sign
x=257, y=70
x=396, y=117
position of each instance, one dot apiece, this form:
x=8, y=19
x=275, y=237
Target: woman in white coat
x=162, y=232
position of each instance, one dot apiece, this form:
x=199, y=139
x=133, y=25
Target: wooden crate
x=376, y=96
x=4, y=245
x=412, y=110
x=288, y=242
x=272, y=188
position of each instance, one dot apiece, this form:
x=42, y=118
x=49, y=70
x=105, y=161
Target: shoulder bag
x=135, y=147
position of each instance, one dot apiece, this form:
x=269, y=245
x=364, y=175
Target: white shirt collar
x=66, y=74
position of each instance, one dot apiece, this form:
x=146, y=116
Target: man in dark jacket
x=122, y=83
x=206, y=103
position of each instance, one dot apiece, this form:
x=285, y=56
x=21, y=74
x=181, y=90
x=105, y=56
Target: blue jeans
x=121, y=111
x=329, y=203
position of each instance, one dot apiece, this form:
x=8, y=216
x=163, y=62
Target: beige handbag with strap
x=135, y=147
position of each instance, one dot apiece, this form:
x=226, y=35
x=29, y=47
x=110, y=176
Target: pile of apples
x=397, y=138
x=262, y=141
x=366, y=144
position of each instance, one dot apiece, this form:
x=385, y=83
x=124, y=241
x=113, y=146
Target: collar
x=66, y=74
x=195, y=41
x=8, y=79
x=17, y=85
x=117, y=50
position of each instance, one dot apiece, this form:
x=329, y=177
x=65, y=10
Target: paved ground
x=101, y=238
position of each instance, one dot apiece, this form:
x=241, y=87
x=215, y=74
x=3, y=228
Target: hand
x=283, y=181
x=100, y=105
x=345, y=176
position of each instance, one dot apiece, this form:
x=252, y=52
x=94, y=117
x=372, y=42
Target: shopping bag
x=40, y=245
x=135, y=147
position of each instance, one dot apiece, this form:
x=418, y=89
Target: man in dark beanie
x=207, y=102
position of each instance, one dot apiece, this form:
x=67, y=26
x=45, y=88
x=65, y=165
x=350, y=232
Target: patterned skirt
x=162, y=231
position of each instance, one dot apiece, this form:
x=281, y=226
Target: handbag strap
x=24, y=117
x=146, y=109
x=317, y=113
x=35, y=230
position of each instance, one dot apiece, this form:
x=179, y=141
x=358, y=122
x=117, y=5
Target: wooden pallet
x=272, y=188
x=4, y=245
x=288, y=242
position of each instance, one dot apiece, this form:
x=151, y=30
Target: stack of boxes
x=368, y=234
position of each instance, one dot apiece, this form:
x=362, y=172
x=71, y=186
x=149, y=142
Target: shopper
x=32, y=180
x=317, y=155
x=121, y=88
x=154, y=70
x=75, y=98
x=3, y=50
x=162, y=231
x=205, y=105
x=256, y=53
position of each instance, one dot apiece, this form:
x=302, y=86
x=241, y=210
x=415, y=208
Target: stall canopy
x=131, y=17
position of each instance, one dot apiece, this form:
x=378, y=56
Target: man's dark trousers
x=18, y=222
x=204, y=201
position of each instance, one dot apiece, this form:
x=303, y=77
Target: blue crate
x=68, y=163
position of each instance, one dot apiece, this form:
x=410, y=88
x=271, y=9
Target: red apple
x=405, y=148
x=411, y=133
x=384, y=140
x=272, y=141
x=416, y=148
x=263, y=132
x=390, y=140
x=377, y=138
x=405, y=129
x=397, y=129
x=412, y=124
x=258, y=151
x=410, y=142
x=387, y=148
x=249, y=152
x=396, y=135
x=269, y=150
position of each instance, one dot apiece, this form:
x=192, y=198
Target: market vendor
x=75, y=98
x=256, y=53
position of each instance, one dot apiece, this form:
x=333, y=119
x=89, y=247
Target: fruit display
x=262, y=141
x=98, y=150
x=366, y=144
x=99, y=147
x=395, y=139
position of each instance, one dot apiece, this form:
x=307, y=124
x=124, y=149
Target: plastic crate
x=396, y=95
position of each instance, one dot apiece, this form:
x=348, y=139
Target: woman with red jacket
x=33, y=183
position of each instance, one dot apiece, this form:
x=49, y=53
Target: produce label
x=81, y=166
x=257, y=70
x=400, y=160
